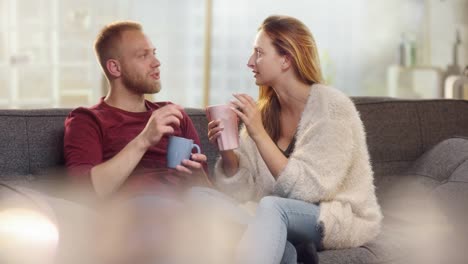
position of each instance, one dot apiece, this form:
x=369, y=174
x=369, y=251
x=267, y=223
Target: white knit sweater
x=329, y=165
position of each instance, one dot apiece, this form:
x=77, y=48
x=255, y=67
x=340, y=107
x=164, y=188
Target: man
x=120, y=143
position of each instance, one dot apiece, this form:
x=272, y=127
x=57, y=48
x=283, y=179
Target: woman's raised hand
x=246, y=108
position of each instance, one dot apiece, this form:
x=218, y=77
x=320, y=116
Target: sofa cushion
x=402, y=195
x=428, y=202
x=424, y=211
x=441, y=161
x=417, y=192
x=14, y=162
x=453, y=197
x=461, y=173
x=388, y=247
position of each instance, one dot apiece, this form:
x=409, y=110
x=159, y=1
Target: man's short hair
x=106, y=44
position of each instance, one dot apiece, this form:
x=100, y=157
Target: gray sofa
x=418, y=149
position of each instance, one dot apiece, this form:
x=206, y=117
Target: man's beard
x=140, y=85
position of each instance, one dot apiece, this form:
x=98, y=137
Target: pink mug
x=229, y=138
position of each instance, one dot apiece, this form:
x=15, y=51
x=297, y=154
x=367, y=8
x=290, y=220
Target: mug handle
x=198, y=148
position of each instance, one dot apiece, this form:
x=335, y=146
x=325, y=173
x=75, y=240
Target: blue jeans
x=277, y=221
x=270, y=234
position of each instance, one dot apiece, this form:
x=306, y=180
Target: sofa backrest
x=398, y=132
x=31, y=142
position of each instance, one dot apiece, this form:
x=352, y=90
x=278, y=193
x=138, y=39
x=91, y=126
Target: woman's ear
x=286, y=62
x=113, y=67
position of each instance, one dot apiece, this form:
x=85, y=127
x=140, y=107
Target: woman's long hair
x=292, y=38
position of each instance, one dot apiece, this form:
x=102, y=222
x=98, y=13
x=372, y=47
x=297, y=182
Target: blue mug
x=178, y=149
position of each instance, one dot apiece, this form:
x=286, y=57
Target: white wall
x=445, y=17
x=357, y=40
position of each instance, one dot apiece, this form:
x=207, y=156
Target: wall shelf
x=415, y=82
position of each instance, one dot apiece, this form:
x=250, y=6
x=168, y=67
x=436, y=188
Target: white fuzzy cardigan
x=329, y=165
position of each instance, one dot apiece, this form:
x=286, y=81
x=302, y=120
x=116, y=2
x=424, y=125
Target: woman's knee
x=271, y=203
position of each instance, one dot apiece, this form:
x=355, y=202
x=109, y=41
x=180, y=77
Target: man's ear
x=113, y=67
x=286, y=62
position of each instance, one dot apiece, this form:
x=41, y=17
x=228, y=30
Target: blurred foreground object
x=27, y=236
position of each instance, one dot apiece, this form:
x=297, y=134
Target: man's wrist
x=142, y=143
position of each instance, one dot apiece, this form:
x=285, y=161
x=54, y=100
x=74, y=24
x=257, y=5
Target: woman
x=302, y=154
